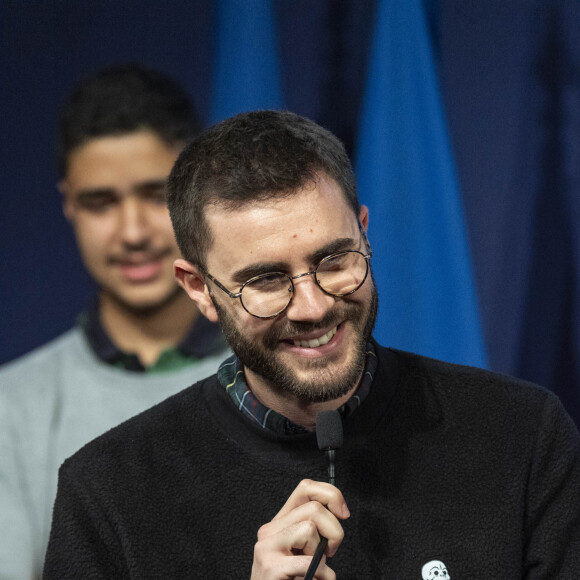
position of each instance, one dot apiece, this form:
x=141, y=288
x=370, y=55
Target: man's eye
x=97, y=203
x=155, y=194
x=269, y=283
x=333, y=263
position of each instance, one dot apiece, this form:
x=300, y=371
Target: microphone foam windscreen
x=329, y=430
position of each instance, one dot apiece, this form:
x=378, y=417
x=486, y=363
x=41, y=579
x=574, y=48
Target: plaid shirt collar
x=231, y=376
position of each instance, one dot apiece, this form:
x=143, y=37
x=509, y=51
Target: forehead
x=119, y=161
x=285, y=230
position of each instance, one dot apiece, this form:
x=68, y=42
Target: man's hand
x=286, y=545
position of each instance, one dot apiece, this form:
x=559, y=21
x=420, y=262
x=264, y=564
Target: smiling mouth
x=313, y=343
x=139, y=258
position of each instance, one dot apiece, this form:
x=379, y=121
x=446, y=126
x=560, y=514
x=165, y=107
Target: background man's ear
x=191, y=280
x=67, y=206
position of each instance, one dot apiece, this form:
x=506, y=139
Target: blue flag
x=247, y=68
x=407, y=178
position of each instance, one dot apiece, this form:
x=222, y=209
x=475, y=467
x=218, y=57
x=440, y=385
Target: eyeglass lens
x=338, y=275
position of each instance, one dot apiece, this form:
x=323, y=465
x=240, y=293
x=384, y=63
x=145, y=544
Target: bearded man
x=440, y=463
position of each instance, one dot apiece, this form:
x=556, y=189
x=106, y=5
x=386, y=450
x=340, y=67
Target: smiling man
x=315, y=352
x=442, y=467
x=114, y=197
x=142, y=340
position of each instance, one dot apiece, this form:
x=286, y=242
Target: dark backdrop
x=510, y=76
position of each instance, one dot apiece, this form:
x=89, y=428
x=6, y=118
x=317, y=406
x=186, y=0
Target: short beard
x=322, y=385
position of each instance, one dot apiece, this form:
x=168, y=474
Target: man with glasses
x=443, y=468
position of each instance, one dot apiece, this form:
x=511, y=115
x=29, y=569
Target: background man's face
x=292, y=235
x=114, y=197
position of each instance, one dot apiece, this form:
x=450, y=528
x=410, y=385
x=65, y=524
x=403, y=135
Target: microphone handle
x=323, y=541
x=316, y=558
x=330, y=453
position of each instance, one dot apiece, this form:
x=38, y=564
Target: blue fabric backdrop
x=406, y=176
x=247, y=68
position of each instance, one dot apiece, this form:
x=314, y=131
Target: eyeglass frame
x=292, y=288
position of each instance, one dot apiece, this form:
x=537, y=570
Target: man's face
x=292, y=235
x=114, y=197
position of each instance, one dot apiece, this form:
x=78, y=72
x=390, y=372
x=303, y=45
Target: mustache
x=139, y=256
x=277, y=333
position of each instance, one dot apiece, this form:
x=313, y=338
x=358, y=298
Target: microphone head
x=329, y=430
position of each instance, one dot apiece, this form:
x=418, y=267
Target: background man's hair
x=250, y=157
x=122, y=99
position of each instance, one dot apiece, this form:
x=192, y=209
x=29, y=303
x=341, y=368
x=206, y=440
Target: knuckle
x=315, y=508
x=263, y=532
x=309, y=527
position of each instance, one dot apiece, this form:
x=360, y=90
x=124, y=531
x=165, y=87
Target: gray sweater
x=52, y=402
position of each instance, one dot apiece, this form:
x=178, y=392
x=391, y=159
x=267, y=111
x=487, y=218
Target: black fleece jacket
x=441, y=463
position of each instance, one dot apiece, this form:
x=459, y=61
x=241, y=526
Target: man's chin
x=312, y=391
x=142, y=304
x=314, y=380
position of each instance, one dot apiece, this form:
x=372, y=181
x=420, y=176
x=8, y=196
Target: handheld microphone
x=329, y=438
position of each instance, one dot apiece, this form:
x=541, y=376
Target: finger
x=274, y=556
x=324, y=493
x=290, y=568
x=323, y=572
x=322, y=521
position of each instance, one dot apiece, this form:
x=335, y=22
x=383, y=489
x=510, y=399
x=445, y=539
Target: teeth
x=316, y=341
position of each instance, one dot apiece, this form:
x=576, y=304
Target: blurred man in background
x=143, y=339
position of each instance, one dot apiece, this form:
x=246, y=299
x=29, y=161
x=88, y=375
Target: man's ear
x=191, y=280
x=67, y=205
x=363, y=217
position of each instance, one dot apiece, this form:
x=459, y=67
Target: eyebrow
x=139, y=188
x=86, y=194
x=145, y=186
x=244, y=274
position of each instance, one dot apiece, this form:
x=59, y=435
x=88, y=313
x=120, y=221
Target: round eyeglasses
x=267, y=295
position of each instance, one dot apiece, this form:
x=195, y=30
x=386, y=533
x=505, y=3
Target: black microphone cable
x=329, y=438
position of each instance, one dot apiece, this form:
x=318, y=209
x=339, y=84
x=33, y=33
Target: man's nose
x=133, y=224
x=309, y=303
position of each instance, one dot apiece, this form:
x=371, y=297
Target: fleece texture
x=471, y=470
